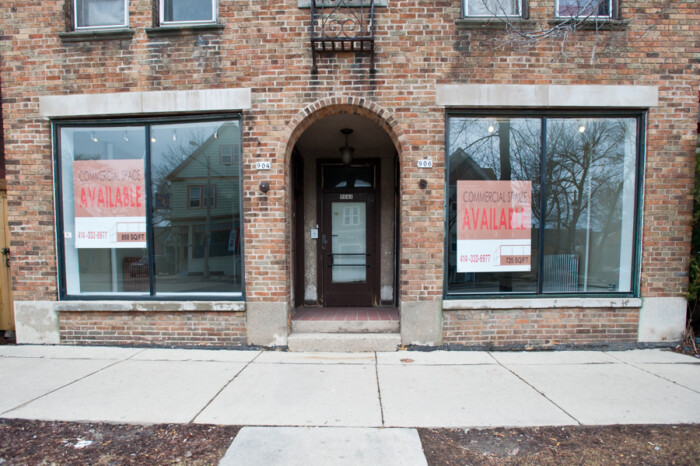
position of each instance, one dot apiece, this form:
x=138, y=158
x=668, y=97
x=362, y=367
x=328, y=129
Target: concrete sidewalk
x=349, y=390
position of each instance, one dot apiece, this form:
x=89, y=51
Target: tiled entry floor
x=348, y=314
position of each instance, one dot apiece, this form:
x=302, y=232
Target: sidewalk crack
x=22, y=405
x=379, y=389
x=538, y=391
x=223, y=388
x=655, y=375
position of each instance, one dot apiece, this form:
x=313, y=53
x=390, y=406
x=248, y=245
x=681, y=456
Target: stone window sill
x=185, y=30
x=97, y=34
x=495, y=24
x=540, y=303
x=592, y=24
x=150, y=306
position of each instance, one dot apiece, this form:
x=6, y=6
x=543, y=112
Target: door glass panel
x=342, y=176
x=349, y=242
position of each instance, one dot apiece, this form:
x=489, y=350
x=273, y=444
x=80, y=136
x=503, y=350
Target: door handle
x=6, y=253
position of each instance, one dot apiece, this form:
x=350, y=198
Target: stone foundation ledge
x=37, y=322
x=150, y=306
x=540, y=303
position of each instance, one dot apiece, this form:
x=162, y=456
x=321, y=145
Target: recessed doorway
x=344, y=168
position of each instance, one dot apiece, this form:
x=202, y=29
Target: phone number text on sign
x=92, y=235
x=475, y=258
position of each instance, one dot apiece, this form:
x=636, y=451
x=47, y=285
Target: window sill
x=151, y=306
x=540, y=303
x=591, y=24
x=184, y=30
x=97, y=34
x=495, y=23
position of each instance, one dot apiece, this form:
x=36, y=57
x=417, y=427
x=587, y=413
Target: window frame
x=204, y=189
x=641, y=120
x=612, y=4
x=522, y=7
x=221, y=154
x=162, y=21
x=76, y=27
x=148, y=123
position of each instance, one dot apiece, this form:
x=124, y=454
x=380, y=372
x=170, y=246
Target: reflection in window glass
x=104, y=209
x=493, y=149
x=194, y=209
x=100, y=13
x=582, y=218
x=590, y=205
x=492, y=7
x=181, y=11
x=584, y=8
x=197, y=226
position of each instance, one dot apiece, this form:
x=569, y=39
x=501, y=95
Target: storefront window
x=128, y=225
x=541, y=205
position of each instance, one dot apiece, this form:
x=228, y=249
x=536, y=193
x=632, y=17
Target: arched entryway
x=344, y=175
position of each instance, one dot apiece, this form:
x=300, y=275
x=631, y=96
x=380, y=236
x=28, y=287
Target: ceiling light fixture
x=346, y=151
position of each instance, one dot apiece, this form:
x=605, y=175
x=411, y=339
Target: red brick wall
x=211, y=329
x=539, y=327
x=265, y=46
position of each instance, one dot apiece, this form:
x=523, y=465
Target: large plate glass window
x=187, y=11
x=484, y=8
x=584, y=8
x=150, y=209
x=542, y=205
x=100, y=13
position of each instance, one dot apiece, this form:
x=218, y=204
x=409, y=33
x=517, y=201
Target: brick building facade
x=442, y=95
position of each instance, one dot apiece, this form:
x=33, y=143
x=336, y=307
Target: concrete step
x=345, y=326
x=343, y=342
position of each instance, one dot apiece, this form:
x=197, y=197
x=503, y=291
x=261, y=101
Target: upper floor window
x=100, y=13
x=178, y=12
x=584, y=8
x=483, y=8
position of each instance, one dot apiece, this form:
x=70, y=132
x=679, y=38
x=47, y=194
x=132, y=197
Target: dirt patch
x=68, y=443
x=623, y=445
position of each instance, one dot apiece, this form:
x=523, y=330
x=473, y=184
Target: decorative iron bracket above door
x=342, y=26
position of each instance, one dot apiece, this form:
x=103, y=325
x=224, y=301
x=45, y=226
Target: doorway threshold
x=345, y=329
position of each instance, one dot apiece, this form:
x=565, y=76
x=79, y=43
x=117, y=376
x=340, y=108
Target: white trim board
x=137, y=103
x=551, y=96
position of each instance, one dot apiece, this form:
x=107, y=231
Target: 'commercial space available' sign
x=494, y=222
x=110, y=200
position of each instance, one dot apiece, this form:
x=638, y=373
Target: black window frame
x=147, y=122
x=640, y=115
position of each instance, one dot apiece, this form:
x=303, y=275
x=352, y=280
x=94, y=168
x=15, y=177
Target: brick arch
x=343, y=105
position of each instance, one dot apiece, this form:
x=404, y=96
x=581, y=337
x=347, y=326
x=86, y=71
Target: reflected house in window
x=196, y=224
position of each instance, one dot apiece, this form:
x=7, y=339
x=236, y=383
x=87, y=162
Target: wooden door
x=7, y=320
x=348, y=249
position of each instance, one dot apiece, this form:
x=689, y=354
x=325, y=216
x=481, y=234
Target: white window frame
x=214, y=19
x=465, y=6
x=611, y=6
x=109, y=26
